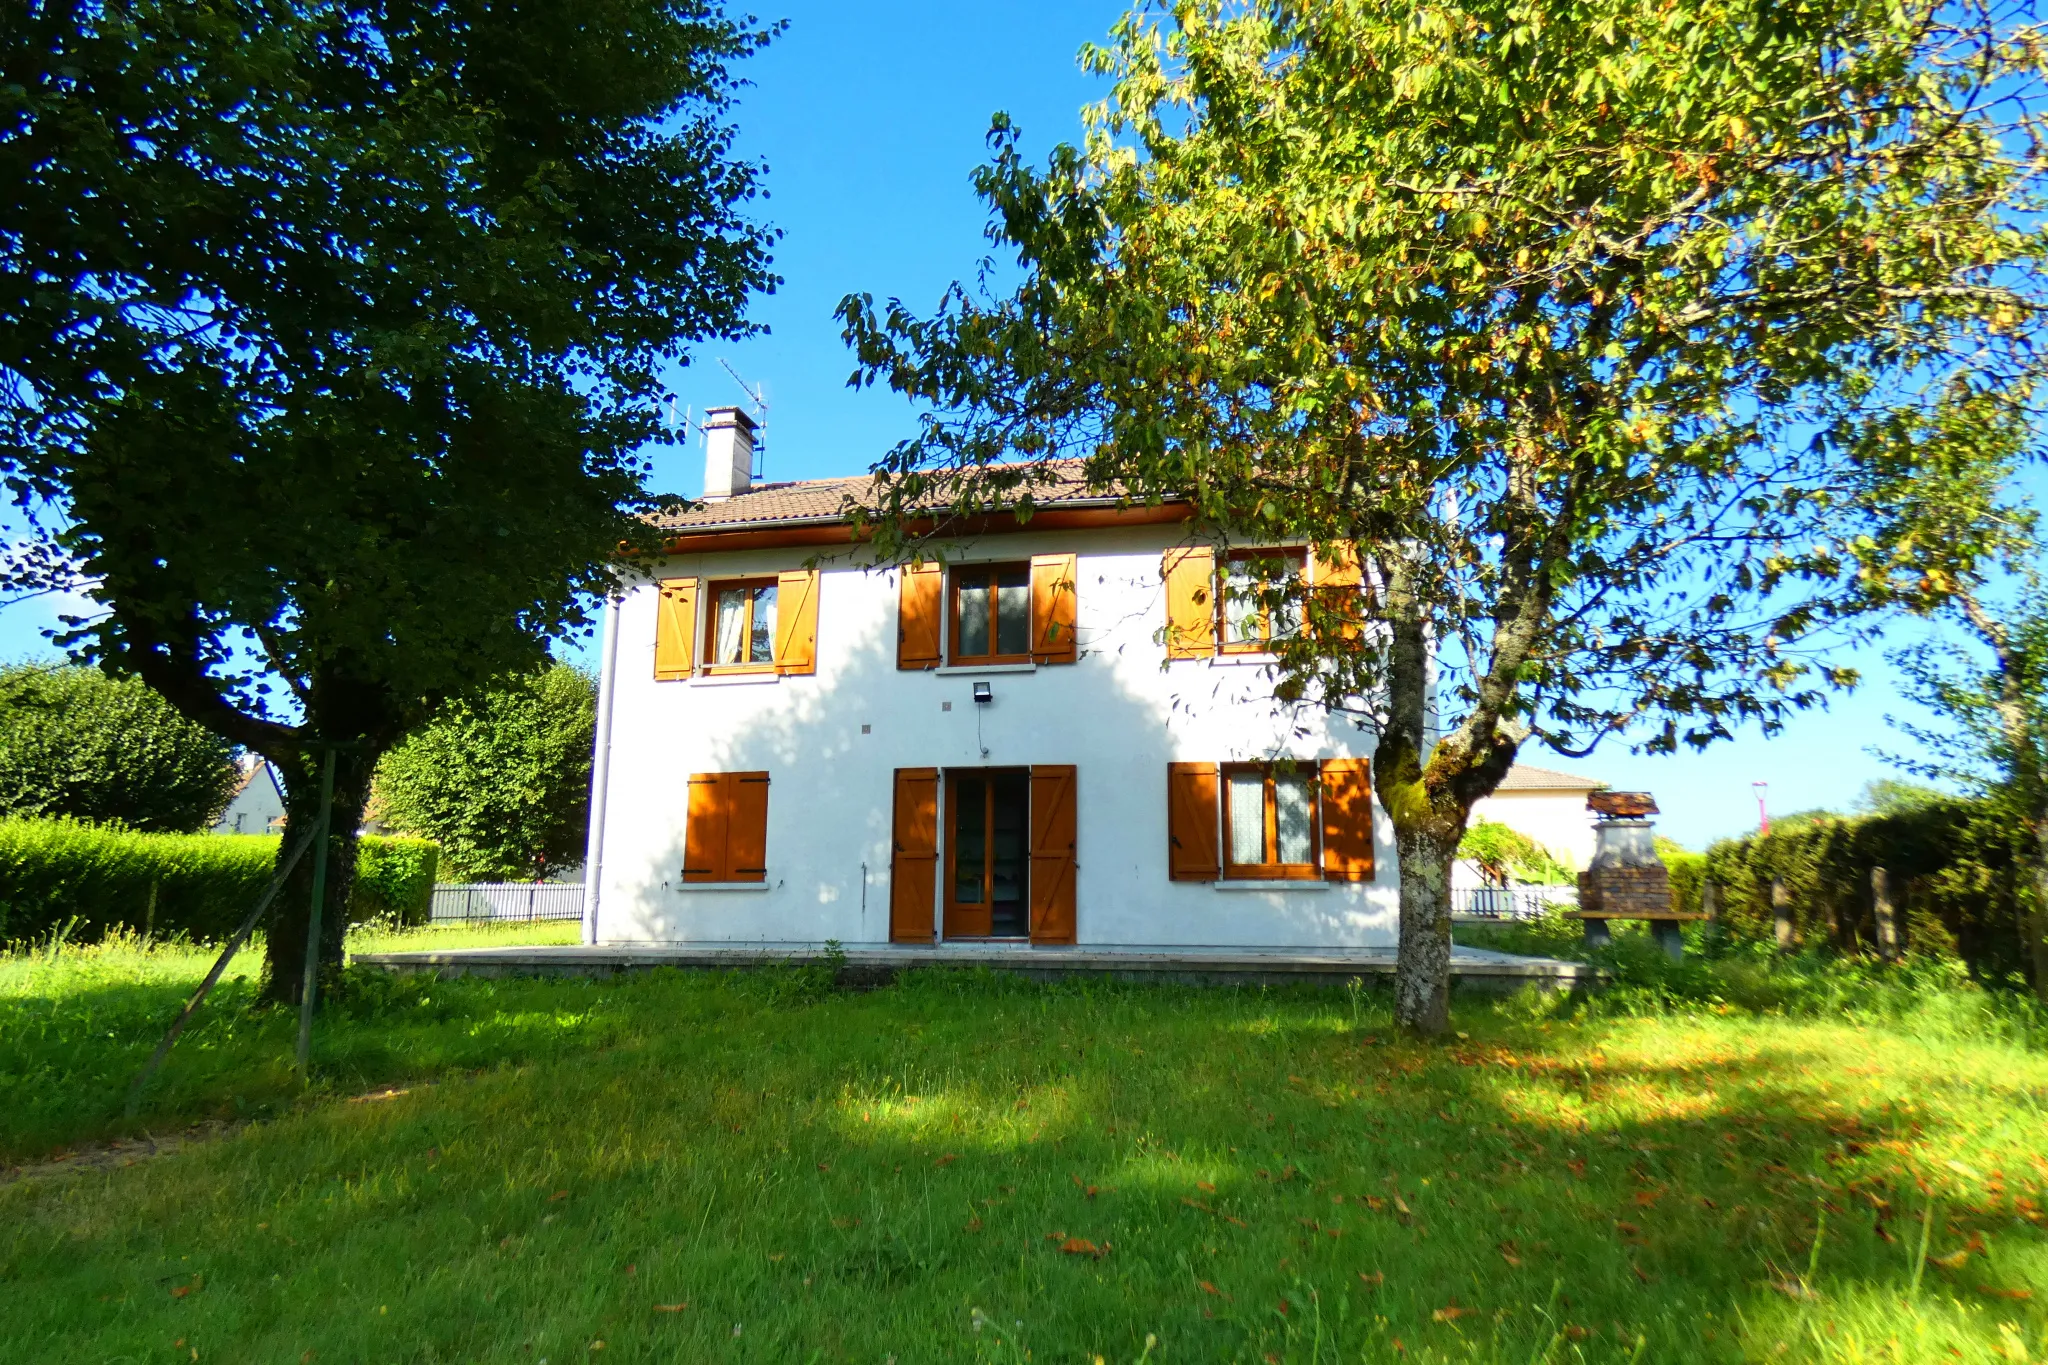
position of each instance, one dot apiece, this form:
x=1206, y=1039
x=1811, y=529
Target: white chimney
x=728, y=453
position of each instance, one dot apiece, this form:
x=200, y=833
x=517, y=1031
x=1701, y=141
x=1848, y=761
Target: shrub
x=75, y=742
x=394, y=880
x=1956, y=874
x=500, y=781
x=84, y=880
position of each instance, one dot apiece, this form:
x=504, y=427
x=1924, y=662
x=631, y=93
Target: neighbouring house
x=1062, y=734
x=258, y=803
x=1548, y=806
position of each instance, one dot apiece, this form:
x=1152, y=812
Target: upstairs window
x=1270, y=821
x=742, y=625
x=991, y=614
x=1249, y=619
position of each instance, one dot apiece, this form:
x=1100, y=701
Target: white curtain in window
x=1241, y=603
x=762, y=647
x=1247, y=818
x=732, y=627
x=1293, y=807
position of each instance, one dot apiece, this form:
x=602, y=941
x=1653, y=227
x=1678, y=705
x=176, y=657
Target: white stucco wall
x=1117, y=715
x=1558, y=820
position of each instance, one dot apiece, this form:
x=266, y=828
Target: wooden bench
x=1663, y=926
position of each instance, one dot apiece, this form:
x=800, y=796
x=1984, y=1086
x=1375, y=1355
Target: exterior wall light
x=983, y=695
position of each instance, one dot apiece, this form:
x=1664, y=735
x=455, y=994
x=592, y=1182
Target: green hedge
x=1956, y=877
x=59, y=872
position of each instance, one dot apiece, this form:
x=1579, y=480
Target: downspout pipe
x=600, y=771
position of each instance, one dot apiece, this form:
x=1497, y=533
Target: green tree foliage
x=1508, y=855
x=334, y=332
x=75, y=742
x=1608, y=331
x=502, y=781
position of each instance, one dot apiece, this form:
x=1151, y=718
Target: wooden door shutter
x=675, y=629
x=746, y=828
x=1192, y=853
x=705, y=822
x=1190, y=574
x=1335, y=580
x=914, y=856
x=1347, y=819
x=1054, y=598
x=1053, y=868
x=917, y=615
x=796, y=622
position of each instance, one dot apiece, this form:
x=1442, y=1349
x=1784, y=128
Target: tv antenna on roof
x=758, y=411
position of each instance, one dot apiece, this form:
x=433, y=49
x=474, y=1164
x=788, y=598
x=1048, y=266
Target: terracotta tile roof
x=1524, y=778
x=829, y=500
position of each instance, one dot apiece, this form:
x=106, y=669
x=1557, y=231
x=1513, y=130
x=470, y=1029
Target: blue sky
x=871, y=118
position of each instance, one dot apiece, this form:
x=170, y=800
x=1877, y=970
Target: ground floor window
x=1269, y=820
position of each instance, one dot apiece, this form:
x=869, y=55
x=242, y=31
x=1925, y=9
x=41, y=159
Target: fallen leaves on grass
x=947, y=1160
x=1213, y=1213
x=670, y=1307
x=1451, y=1312
x=1205, y=1187
x=973, y=1225
x=1956, y=1259
x=2000, y=1292
x=558, y=1196
x=1081, y=1246
x=1509, y=1254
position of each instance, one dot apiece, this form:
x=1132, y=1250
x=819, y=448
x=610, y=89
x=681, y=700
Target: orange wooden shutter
x=675, y=629
x=746, y=827
x=1190, y=574
x=917, y=615
x=1335, y=581
x=914, y=856
x=1052, y=853
x=1347, y=819
x=704, y=828
x=796, y=622
x=1053, y=602
x=1191, y=849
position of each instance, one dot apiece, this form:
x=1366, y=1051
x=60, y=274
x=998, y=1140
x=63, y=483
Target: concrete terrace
x=1471, y=968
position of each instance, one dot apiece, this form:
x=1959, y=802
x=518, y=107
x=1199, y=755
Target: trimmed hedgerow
x=1955, y=870
x=83, y=880
x=394, y=880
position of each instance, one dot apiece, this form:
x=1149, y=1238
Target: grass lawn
x=960, y=1167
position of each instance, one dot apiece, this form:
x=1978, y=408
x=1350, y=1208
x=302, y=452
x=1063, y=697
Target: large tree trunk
x=1428, y=792
x=1422, y=975
x=285, y=955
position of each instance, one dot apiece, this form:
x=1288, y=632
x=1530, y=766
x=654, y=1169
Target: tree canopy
x=75, y=742
x=502, y=781
x=335, y=331
x=1607, y=332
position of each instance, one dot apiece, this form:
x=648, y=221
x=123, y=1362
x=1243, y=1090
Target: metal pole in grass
x=234, y=945
x=309, y=990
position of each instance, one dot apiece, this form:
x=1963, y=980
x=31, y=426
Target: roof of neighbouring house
x=833, y=500
x=1524, y=778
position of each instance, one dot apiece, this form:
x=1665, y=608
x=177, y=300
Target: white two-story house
x=1060, y=732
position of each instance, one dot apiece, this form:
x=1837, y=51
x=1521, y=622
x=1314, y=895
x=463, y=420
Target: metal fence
x=473, y=901
x=1511, y=902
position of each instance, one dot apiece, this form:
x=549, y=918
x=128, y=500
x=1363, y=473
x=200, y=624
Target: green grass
x=78, y=1024
x=754, y=1168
